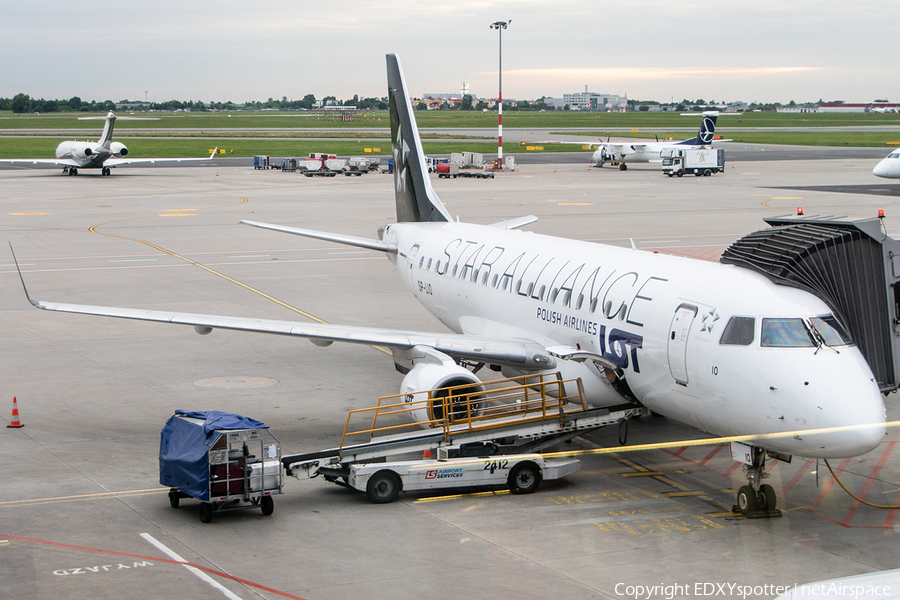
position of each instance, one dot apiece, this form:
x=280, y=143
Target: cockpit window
x=785, y=333
x=895, y=154
x=738, y=332
x=832, y=332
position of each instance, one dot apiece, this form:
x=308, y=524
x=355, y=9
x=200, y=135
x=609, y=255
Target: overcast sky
x=760, y=51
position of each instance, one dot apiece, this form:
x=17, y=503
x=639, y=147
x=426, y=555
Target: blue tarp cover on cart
x=184, y=445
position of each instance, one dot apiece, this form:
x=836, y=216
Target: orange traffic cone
x=15, y=415
x=427, y=454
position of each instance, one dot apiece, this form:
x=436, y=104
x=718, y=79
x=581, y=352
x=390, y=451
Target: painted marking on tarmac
x=99, y=496
x=28, y=214
x=246, y=582
x=459, y=496
x=200, y=574
x=663, y=525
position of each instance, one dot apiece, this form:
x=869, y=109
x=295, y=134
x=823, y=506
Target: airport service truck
x=699, y=161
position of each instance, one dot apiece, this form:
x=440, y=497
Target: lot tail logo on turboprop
x=707, y=131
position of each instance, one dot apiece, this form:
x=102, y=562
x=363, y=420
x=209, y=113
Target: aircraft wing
x=113, y=162
x=521, y=353
x=532, y=143
x=63, y=162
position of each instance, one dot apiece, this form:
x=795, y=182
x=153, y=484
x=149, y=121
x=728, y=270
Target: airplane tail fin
x=707, y=130
x=106, y=138
x=416, y=199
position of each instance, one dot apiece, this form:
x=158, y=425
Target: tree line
x=23, y=104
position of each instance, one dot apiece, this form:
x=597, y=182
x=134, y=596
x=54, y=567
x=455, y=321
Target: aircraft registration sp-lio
x=716, y=346
x=103, y=154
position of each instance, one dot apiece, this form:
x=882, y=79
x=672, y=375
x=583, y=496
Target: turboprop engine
x=118, y=150
x=455, y=391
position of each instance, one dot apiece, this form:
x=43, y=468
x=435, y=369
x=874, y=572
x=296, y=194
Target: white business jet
x=716, y=346
x=889, y=167
x=103, y=154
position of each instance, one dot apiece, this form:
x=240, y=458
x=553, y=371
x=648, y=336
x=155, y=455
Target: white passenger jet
x=716, y=346
x=103, y=154
x=889, y=167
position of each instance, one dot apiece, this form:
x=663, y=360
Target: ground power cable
x=854, y=496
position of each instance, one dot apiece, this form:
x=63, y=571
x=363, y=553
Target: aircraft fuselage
x=660, y=320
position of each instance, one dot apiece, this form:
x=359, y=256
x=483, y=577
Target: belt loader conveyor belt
x=547, y=417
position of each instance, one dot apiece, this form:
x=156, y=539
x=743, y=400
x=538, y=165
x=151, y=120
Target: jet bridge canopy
x=850, y=264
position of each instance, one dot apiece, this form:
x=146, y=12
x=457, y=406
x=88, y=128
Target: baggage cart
x=224, y=460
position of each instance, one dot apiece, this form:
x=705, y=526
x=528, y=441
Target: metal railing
x=468, y=407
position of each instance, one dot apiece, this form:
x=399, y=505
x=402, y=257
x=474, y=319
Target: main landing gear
x=70, y=170
x=105, y=171
x=755, y=500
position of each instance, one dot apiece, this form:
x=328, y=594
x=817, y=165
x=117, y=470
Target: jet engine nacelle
x=441, y=378
x=82, y=151
x=118, y=150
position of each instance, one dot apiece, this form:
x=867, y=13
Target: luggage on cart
x=224, y=460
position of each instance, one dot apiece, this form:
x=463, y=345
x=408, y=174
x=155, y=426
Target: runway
x=83, y=515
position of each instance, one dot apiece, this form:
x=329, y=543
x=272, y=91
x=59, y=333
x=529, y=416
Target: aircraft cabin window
x=738, y=332
x=783, y=332
x=832, y=332
x=421, y=262
x=428, y=266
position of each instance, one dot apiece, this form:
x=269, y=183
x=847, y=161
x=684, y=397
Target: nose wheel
x=756, y=500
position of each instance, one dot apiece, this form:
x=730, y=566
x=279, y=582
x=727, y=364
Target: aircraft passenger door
x=677, y=343
x=413, y=257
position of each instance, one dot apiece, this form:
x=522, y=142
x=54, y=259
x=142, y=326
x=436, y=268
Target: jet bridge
x=851, y=264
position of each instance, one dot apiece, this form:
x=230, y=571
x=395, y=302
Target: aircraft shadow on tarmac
x=873, y=189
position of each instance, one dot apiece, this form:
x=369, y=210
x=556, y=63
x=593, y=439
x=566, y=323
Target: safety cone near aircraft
x=15, y=415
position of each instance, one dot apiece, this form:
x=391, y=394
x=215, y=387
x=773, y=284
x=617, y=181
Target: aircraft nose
x=860, y=421
x=886, y=168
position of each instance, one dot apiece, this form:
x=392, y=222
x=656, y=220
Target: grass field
x=511, y=119
x=369, y=130
x=140, y=148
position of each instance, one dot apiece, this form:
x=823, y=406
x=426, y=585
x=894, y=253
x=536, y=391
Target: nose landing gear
x=755, y=500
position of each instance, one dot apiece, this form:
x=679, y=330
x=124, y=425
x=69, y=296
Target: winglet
x=22, y=279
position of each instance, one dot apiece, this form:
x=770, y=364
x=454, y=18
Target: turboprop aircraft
x=621, y=153
x=103, y=154
x=716, y=346
x=889, y=167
